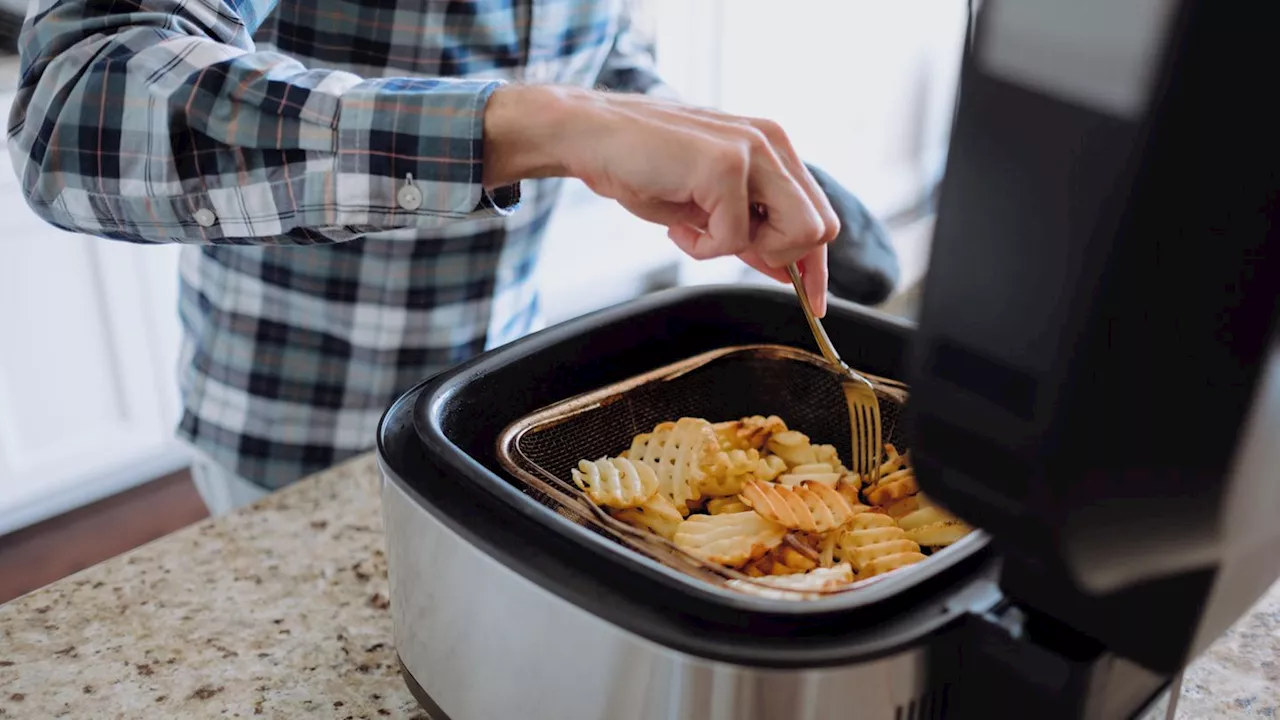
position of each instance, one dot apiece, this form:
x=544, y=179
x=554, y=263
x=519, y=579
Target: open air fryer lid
x=1096, y=375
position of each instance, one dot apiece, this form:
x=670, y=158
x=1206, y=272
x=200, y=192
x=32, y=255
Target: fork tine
x=875, y=439
x=869, y=442
x=866, y=438
x=861, y=458
x=860, y=450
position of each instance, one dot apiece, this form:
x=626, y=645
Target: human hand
x=698, y=172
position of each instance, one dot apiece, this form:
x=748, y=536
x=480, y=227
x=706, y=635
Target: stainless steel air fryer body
x=485, y=642
x=503, y=608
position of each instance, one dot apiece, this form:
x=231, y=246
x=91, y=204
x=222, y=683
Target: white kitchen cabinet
x=88, y=346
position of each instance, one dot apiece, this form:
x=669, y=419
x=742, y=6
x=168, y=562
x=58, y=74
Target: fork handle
x=819, y=332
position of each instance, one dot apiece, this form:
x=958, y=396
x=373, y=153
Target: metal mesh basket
x=541, y=449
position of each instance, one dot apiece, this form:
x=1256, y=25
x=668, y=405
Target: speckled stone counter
x=280, y=611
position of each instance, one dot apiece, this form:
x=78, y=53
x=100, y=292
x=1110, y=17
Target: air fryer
x=1094, y=383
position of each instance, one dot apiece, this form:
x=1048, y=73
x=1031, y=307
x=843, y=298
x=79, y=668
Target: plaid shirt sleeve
x=157, y=121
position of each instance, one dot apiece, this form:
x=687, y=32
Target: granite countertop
x=280, y=610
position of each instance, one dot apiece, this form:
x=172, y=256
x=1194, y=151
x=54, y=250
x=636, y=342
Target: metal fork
x=859, y=393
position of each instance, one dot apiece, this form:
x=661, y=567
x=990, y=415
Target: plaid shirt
x=322, y=160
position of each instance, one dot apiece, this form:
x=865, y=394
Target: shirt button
x=409, y=197
x=205, y=217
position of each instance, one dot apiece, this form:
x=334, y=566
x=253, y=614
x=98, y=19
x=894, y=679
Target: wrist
x=529, y=132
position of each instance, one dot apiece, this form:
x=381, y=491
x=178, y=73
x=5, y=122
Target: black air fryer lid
x=1098, y=343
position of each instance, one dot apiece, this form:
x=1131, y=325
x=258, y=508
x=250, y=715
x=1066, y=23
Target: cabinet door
x=88, y=350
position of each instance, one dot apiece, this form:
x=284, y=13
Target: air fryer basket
x=725, y=384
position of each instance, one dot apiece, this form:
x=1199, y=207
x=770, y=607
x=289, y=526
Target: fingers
x=729, y=224
x=778, y=140
x=686, y=238
x=813, y=270
x=794, y=226
x=666, y=213
x=698, y=172
x=781, y=143
x=752, y=259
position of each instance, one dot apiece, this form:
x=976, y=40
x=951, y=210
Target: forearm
x=524, y=127
x=163, y=125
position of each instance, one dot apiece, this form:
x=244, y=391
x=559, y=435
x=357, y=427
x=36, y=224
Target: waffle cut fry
x=683, y=454
x=897, y=480
x=822, y=473
x=900, y=508
x=812, y=507
x=931, y=526
x=873, y=544
x=748, y=433
x=796, y=554
x=657, y=515
x=796, y=450
x=616, y=482
x=899, y=495
x=807, y=585
x=939, y=534
x=848, y=486
x=731, y=539
x=722, y=505
x=755, y=495
x=738, y=467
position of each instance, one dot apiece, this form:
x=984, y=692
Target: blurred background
x=89, y=329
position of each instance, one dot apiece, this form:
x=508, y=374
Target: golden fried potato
x=807, y=585
x=869, y=519
x=722, y=505
x=682, y=454
x=867, y=528
x=616, y=482
x=939, y=534
x=893, y=463
x=848, y=486
x=782, y=560
x=827, y=548
x=926, y=515
x=871, y=536
x=769, y=468
x=658, y=515
x=826, y=455
x=738, y=467
x=778, y=507
x=720, y=485
x=732, y=539
x=888, y=563
x=798, y=451
x=812, y=507
x=748, y=433
x=860, y=557
x=820, y=472
x=895, y=486
x=812, y=468
x=793, y=447
x=905, y=506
